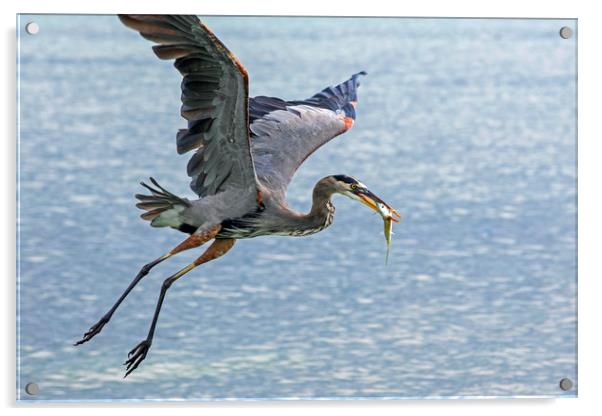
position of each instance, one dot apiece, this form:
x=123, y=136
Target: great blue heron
x=247, y=151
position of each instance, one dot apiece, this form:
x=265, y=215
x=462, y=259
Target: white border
x=590, y=207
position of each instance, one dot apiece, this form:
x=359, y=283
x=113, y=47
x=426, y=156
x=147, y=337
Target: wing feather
x=285, y=133
x=214, y=101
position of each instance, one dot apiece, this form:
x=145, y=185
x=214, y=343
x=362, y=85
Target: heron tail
x=162, y=207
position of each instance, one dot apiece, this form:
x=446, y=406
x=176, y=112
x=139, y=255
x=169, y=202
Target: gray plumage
x=283, y=139
x=279, y=219
x=247, y=150
x=214, y=102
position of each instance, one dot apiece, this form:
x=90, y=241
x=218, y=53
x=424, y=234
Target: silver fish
x=388, y=218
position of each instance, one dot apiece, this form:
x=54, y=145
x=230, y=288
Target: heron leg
x=138, y=353
x=193, y=241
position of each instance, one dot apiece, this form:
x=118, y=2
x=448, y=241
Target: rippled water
x=466, y=126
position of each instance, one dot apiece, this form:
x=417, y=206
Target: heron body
x=246, y=151
x=278, y=219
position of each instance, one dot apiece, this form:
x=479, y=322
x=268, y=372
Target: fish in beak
x=372, y=201
x=387, y=212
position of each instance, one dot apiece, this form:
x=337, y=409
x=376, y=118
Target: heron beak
x=369, y=199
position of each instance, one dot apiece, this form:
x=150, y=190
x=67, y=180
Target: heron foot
x=94, y=330
x=136, y=356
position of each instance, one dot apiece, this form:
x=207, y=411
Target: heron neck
x=320, y=216
x=322, y=207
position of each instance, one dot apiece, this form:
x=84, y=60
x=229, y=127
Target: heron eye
x=354, y=186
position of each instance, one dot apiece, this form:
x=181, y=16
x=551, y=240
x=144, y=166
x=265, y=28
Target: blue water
x=467, y=127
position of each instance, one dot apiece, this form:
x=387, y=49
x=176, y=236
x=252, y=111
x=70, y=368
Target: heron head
x=354, y=189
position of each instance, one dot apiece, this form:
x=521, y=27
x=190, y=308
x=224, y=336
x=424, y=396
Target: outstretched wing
x=214, y=101
x=285, y=133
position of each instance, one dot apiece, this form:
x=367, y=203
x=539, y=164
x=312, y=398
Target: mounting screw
x=566, y=384
x=32, y=28
x=566, y=32
x=32, y=389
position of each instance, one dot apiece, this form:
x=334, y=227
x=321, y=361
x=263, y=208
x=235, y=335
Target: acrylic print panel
x=467, y=127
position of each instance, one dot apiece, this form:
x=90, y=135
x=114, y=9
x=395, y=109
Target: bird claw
x=136, y=356
x=94, y=330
